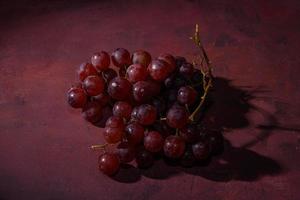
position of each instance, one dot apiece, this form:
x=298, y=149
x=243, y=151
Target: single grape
x=134, y=133
x=177, y=116
x=101, y=60
x=113, y=135
x=126, y=152
x=187, y=70
x=146, y=114
x=144, y=90
x=201, y=150
x=122, y=109
x=103, y=99
x=187, y=95
x=119, y=88
x=76, y=97
x=109, y=74
x=85, y=70
x=144, y=159
x=115, y=122
x=169, y=59
x=92, y=112
x=153, y=141
x=188, y=159
x=109, y=163
x=121, y=57
x=174, y=146
x=159, y=70
x=141, y=57
x=197, y=77
x=136, y=72
x=189, y=133
x=93, y=85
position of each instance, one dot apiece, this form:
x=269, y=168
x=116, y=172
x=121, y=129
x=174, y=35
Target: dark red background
x=254, y=46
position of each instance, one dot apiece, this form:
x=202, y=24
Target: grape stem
x=207, y=84
x=99, y=146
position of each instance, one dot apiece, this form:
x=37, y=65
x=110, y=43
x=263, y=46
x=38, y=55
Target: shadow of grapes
x=226, y=109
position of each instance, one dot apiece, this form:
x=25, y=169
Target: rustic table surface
x=254, y=47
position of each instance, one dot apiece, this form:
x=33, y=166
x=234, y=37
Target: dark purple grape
x=134, y=133
x=144, y=159
x=121, y=57
x=187, y=70
x=76, y=97
x=141, y=57
x=125, y=152
x=201, y=150
x=146, y=114
x=101, y=60
x=119, y=88
x=109, y=74
x=189, y=133
x=177, y=116
x=187, y=95
x=174, y=146
x=92, y=112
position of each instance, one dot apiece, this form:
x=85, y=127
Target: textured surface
x=255, y=50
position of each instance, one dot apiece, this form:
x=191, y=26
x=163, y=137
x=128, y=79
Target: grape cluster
x=152, y=101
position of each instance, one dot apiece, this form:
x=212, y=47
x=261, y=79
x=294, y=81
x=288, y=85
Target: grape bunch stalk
x=154, y=105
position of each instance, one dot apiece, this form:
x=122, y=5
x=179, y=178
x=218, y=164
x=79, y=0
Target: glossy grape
x=134, y=133
x=174, y=146
x=109, y=74
x=119, y=88
x=136, y=72
x=126, y=152
x=144, y=90
x=146, y=114
x=115, y=122
x=187, y=70
x=153, y=141
x=121, y=57
x=177, y=116
x=101, y=60
x=122, y=109
x=85, y=70
x=109, y=163
x=113, y=135
x=93, y=85
x=169, y=59
x=92, y=112
x=141, y=57
x=159, y=70
x=201, y=150
x=76, y=97
x=187, y=95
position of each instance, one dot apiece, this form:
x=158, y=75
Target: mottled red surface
x=44, y=144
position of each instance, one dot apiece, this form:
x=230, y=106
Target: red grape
x=144, y=159
x=187, y=95
x=92, y=112
x=201, y=150
x=119, y=88
x=169, y=59
x=146, y=114
x=159, y=70
x=121, y=57
x=136, y=72
x=113, y=135
x=109, y=74
x=103, y=99
x=134, y=133
x=144, y=90
x=189, y=133
x=125, y=152
x=94, y=85
x=174, y=146
x=153, y=141
x=177, y=116
x=115, y=122
x=101, y=60
x=141, y=57
x=85, y=70
x=76, y=97
x=109, y=163
x=122, y=109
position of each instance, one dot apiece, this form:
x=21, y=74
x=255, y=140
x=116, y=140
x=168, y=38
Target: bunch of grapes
x=153, y=104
